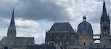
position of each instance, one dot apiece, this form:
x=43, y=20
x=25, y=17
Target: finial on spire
x=13, y=13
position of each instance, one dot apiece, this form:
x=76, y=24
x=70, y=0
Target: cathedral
x=62, y=36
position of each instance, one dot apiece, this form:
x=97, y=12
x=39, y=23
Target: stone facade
x=61, y=34
x=13, y=42
x=85, y=33
x=83, y=38
x=105, y=25
x=11, y=38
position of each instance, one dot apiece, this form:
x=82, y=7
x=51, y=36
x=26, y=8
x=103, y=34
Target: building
x=11, y=38
x=85, y=33
x=13, y=42
x=63, y=34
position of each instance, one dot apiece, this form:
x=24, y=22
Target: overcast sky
x=34, y=17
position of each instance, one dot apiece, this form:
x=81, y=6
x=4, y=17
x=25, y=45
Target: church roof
x=17, y=41
x=64, y=26
x=84, y=26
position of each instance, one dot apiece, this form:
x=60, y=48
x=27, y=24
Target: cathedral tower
x=105, y=22
x=12, y=28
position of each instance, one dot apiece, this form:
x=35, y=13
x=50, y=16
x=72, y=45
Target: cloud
x=26, y=23
x=54, y=10
x=31, y=28
x=36, y=9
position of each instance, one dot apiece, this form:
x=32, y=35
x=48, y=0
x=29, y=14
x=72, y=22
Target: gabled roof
x=64, y=26
x=17, y=41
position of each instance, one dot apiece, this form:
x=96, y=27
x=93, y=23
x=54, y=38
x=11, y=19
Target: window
x=105, y=29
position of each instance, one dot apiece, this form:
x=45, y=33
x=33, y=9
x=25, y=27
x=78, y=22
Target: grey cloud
x=49, y=10
x=39, y=9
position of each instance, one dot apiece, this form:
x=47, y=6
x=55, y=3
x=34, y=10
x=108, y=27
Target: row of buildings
x=62, y=36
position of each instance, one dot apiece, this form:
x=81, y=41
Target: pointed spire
x=12, y=19
x=104, y=16
x=12, y=28
x=104, y=13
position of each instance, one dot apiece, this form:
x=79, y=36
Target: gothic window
x=72, y=38
x=64, y=38
x=57, y=37
x=105, y=29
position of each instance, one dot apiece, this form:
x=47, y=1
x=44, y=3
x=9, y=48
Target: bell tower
x=104, y=23
x=12, y=28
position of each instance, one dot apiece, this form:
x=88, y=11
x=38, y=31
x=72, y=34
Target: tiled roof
x=64, y=26
x=17, y=40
